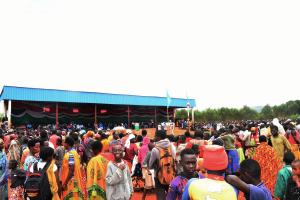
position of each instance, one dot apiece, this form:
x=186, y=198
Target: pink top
x=143, y=150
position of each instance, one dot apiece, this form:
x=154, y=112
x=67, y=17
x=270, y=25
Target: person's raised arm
x=238, y=183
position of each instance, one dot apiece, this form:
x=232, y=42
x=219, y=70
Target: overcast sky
x=222, y=53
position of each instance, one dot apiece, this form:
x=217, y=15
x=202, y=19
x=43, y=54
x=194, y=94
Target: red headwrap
x=214, y=157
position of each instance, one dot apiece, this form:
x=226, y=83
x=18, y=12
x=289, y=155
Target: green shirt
x=228, y=142
x=281, y=183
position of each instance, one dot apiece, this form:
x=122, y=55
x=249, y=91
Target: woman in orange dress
x=71, y=173
x=269, y=162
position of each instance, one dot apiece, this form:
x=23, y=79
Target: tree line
x=290, y=109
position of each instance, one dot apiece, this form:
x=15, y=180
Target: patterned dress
x=233, y=161
x=96, y=172
x=75, y=187
x=270, y=164
x=16, y=193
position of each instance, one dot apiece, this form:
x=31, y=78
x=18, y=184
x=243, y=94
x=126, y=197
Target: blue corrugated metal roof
x=51, y=95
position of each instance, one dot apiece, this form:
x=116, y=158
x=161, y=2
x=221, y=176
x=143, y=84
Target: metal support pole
x=188, y=110
x=193, y=116
x=95, y=115
x=9, y=114
x=56, y=115
x=174, y=114
x=155, y=117
x=167, y=113
x=128, y=116
x=5, y=105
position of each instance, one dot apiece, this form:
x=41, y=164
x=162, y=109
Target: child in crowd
x=118, y=178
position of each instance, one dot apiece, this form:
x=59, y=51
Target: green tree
x=267, y=112
x=181, y=114
x=248, y=113
x=289, y=109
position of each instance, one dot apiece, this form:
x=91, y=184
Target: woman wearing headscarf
x=281, y=130
x=13, y=151
x=87, y=143
x=143, y=150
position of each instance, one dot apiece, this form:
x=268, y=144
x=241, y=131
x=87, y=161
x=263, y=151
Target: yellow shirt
x=280, y=145
x=203, y=189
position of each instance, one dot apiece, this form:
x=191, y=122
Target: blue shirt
x=259, y=192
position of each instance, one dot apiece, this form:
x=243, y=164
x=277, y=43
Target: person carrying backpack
x=43, y=182
x=162, y=160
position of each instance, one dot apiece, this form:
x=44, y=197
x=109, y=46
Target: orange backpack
x=166, y=171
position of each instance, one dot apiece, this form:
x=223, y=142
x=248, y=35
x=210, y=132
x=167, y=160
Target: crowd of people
x=239, y=160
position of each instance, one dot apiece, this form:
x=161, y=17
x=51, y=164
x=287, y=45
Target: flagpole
x=188, y=112
x=167, y=113
x=168, y=104
x=155, y=118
